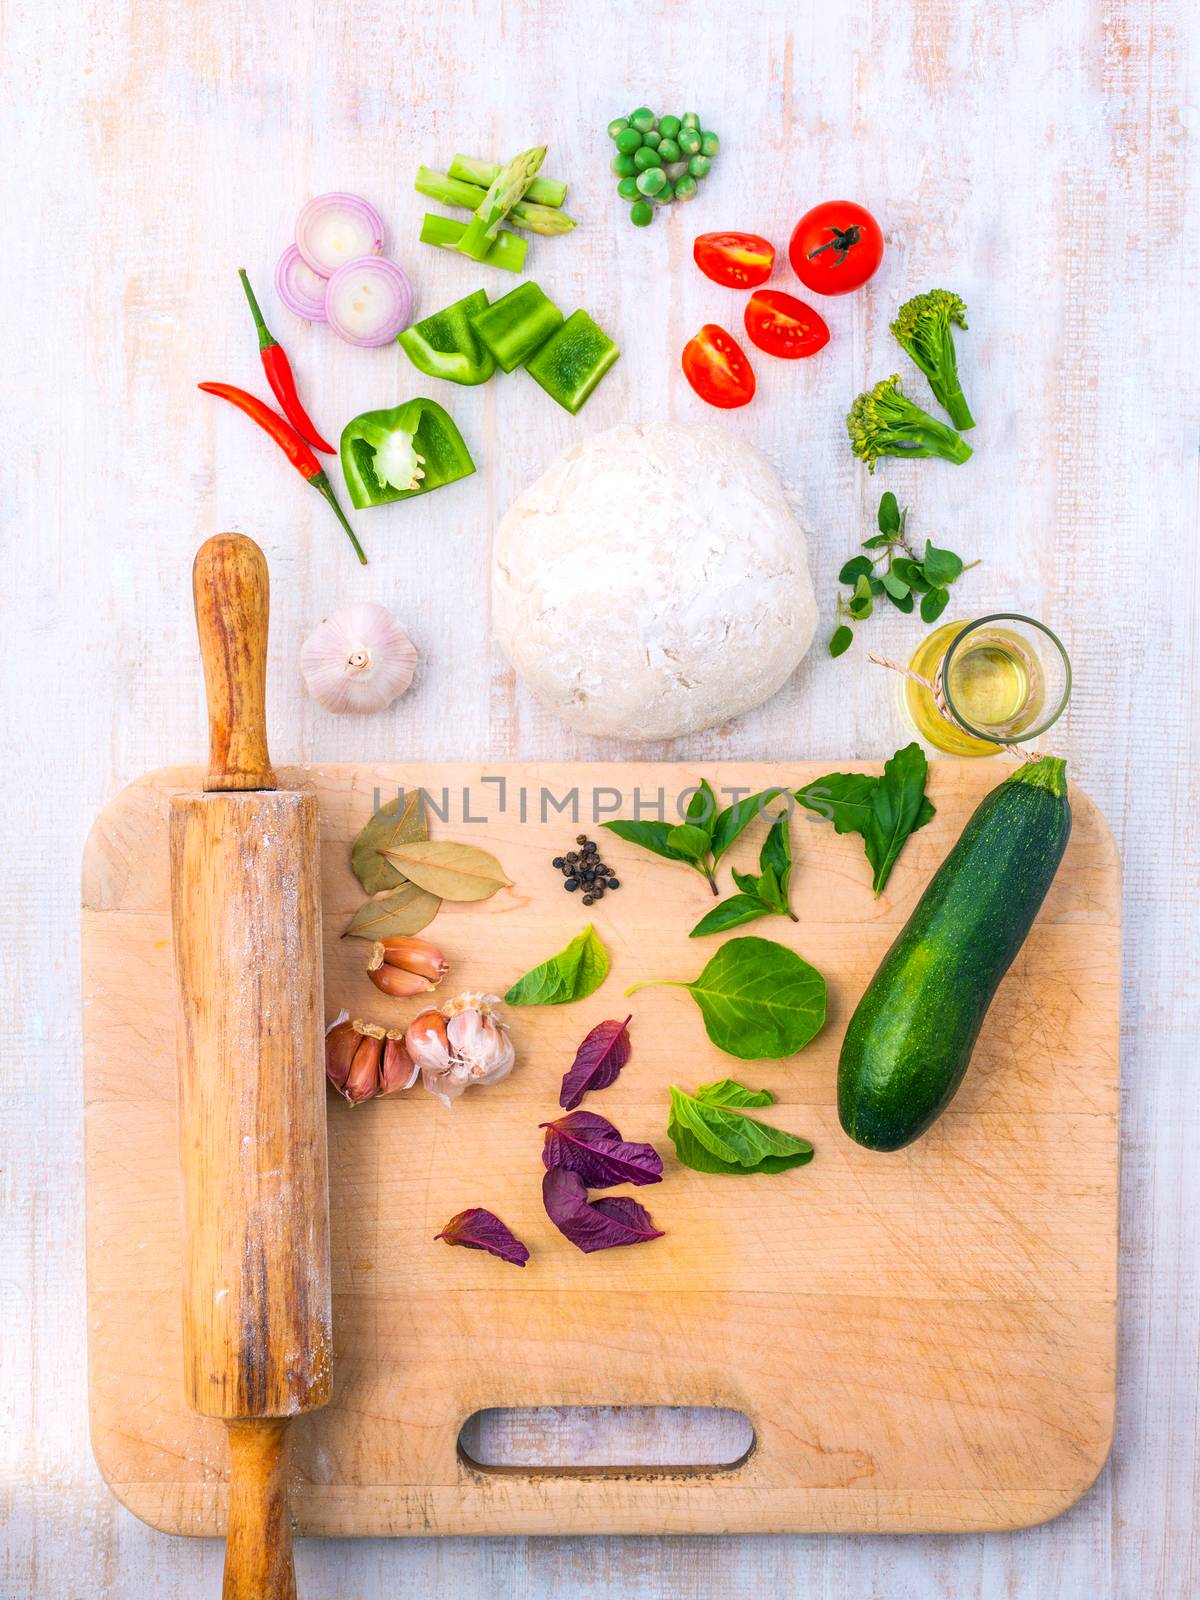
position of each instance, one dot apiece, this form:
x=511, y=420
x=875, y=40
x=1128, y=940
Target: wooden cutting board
x=922, y=1341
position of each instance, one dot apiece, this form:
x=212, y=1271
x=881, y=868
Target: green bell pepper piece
x=396, y=454
x=517, y=324
x=446, y=346
x=572, y=361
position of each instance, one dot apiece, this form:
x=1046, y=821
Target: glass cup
x=1002, y=680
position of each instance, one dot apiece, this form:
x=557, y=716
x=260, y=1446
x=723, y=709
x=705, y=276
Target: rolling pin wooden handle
x=232, y=594
x=258, y=1540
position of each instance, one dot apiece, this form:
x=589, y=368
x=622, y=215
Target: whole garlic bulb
x=359, y=659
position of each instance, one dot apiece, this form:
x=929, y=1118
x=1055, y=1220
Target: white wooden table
x=1038, y=156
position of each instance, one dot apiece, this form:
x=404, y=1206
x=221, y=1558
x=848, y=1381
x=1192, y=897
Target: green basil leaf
x=940, y=566
x=702, y=808
x=708, y=1138
x=898, y=807
x=906, y=605
x=728, y=1092
x=735, y=819
x=650, y=835
x=747, y=882
x=843, y=798
x=933, y=604
x=889, y=513
x=895, y=586
x=878, y=541
x=690, y=841
x=841, y=640
x=731, y=913
x=572, y=974
x=910, y=572
x=759, y=1000
x=857, y=567
x=776, y=853
x=771, y=890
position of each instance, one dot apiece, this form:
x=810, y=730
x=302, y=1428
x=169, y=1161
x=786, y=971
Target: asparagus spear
x=542, y=191
x=507, y=250
x=506, y=188
x=453, y=192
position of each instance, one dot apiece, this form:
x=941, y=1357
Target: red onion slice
x=300, y=288
x=368, y=302
x=333, y=229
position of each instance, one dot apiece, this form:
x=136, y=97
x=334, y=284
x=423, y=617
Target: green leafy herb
x=393, y=824
x=759, y=1000
x=760, y=896
x=904, y=575
x=709, y=1138
x=572, y=974
x=704, y=835
x=730, y=1093
x=883, y=810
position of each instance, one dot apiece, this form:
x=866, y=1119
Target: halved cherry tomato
x=784, y=326
x=835, y=247
x=736, y=260
x=716, y=367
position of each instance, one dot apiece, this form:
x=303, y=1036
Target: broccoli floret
x=923, y=326
x=884, y=422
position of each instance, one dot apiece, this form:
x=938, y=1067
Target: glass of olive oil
x=1003, y=679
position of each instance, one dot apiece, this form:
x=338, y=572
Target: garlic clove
x=397, y=1070
x=358, y=660
x=414, y=955
x=341, y=1041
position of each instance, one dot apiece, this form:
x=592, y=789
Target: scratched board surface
x=922, y=1340
x=152, y=149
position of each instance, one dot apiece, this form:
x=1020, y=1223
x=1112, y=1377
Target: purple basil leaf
x=597, y=1062
x=482, y=1230
x=590, y=1145
x=597, y=1224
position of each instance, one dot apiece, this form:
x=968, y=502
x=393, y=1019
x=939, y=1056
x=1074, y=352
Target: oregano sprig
x=903, y=577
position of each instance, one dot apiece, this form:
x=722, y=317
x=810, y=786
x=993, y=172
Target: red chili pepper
x=289, y=441
x=279, y=375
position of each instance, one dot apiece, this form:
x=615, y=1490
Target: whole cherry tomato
x=735, y=260
x=784, y=326
x=716, y=367
x=835, y=247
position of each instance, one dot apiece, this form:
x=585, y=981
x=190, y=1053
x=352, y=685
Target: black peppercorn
x=614, y=883
x=557, y=862
x=581, y=838
x=588, y=900
x=600, y=868
x=571, y=883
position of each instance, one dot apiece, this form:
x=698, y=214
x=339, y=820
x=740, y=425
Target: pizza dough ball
x=653, y=582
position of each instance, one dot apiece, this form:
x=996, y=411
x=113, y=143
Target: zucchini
x=910, y=1039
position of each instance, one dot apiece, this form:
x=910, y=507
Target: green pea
x=669, y=126
x=641, y=213
x=628, y=188
x=686, y=187
x=628, y=140
x=645, y=157
x=651, y=181
x=624, y=166
x=709, y=144
x=691, y=120
x=616, y=126
x=666, y=194
x=643, y=119
x=652, y=138
x=668, y=149
x=700, y=166
x=689, y=141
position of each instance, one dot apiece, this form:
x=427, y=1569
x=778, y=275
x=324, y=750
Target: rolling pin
x=246, y=917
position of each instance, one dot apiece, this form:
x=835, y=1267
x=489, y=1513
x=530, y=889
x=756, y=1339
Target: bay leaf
x=394, y=913
x=450, y=870
x=391, y=825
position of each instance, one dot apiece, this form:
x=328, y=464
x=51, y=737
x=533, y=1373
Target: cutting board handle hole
x=606, y=1439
